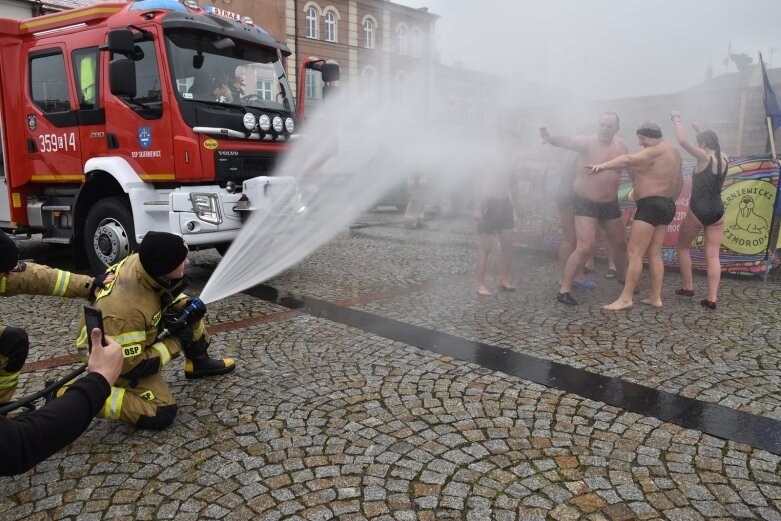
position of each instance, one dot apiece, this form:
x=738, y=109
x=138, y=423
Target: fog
x=604, y=49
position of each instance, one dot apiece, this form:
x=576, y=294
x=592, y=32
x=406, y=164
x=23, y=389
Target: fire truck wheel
x=109, y=235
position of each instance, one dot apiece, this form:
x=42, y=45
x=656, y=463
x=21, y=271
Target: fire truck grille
x=242, y=165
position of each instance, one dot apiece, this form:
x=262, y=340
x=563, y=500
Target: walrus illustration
x=747, y=220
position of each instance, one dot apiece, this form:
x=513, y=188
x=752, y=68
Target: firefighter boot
x=198, y=363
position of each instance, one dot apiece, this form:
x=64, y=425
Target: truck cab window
x=85, y=67
x=48, y=83
x=148, y=102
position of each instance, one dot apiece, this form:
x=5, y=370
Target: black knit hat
x=9, y=253
x=161, y=253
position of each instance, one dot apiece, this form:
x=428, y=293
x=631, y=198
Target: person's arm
x=683, y=140
x=623, y=161
x=32, y=437
x=576, y=143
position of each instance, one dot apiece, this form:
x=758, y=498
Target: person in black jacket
x=32, y=437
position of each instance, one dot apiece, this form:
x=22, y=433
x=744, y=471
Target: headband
x=649, y=132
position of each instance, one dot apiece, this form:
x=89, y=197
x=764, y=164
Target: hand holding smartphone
x=93, y=318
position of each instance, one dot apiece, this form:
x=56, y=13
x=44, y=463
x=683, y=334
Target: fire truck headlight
x=264, y=122
x=206, y=207
x=249, y=121
x=278, y=124
x=290, y=125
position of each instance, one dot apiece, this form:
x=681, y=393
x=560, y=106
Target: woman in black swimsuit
x=706, y=210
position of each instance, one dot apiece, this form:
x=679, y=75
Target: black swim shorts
x=655, y=210
x=599, y=211
x=497, y=216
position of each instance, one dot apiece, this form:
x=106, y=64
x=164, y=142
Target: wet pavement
x=375, y=384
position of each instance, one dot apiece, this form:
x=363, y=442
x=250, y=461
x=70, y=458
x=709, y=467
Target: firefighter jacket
x=29, y=278
x=133, y=305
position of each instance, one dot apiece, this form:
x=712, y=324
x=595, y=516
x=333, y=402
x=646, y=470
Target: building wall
x=16, y=10
x=269, y=14
x=350, y=50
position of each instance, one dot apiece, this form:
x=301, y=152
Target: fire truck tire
x=109, y=234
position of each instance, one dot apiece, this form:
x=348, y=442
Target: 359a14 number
x=57, y=142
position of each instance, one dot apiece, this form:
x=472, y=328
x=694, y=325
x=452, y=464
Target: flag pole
x=774, y=219
x=768, y=119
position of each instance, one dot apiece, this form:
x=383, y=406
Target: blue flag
x=772, y=109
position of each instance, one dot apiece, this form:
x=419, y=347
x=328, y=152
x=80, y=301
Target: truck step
x=57, y=240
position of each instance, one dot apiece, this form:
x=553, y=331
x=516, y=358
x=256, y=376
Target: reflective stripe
x=61, y=286
x=113, y=405
x=2, y=284
x=165, y=354
x=198, y=331
x=131, y=337
x=9, y=381
x=82, y=338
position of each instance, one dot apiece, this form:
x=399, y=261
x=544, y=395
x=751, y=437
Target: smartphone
x=93, y=318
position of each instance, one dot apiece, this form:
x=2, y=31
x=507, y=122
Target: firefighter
x=27, y=278
x=148, y=286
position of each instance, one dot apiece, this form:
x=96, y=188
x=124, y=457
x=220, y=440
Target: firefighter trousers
x=14, y=346
x=146, y=403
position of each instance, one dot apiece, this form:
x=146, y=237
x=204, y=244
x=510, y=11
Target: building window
x=401, y=35
x=330, y=26
x=311, y=23
x=369, y=79
x=368, y=31
x=314, y=85
x=416, y=43
x=264, y=89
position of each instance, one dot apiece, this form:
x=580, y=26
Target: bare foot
x=657, y=303
x=618, y=305
x=506, y=286
x=482, y=290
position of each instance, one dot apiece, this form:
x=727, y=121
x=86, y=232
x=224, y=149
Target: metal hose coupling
x=194, y=311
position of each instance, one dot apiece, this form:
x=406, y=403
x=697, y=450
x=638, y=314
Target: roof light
x=247, y=20
x=192, y=4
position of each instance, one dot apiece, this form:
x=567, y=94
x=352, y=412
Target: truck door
x=139, y=129
x=51, y=119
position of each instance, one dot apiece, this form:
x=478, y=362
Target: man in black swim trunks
x=496, y=197
x=658, y=179
x=596, y=199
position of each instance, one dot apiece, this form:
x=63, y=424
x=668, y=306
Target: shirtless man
x=497, y=195
x=596, y=199
x=658, y=179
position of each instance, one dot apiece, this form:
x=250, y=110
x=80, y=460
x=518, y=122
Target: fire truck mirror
x=198, y=61
x=120, y=41
x=330, y=72
x=122, y=78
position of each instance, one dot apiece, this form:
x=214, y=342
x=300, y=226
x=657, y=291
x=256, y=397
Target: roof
x=70, y=4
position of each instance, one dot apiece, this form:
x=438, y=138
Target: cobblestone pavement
x=323, y=421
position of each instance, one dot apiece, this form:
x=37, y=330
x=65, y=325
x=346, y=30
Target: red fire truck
x=121, y=118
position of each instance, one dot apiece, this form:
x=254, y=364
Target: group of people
x=588, y=204
x=124, y=380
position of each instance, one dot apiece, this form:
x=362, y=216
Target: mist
x=604, y=49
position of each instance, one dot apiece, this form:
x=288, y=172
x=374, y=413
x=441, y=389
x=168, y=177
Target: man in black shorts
x=658, y=179
x=596, y=202
x=497, y=197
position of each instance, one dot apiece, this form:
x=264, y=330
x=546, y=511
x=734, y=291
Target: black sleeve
x=32, y=437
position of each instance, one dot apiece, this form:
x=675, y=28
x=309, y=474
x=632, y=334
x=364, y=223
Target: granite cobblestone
x=324, y=421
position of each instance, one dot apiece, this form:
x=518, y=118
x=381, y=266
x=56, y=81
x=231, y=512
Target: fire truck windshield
x=210, y=68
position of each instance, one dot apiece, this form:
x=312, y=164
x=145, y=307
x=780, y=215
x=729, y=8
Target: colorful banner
x=749, y=195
